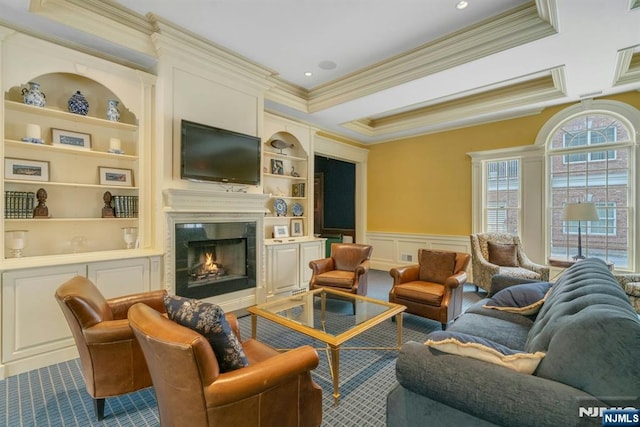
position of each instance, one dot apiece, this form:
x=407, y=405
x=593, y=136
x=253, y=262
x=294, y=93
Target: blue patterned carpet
x=56, y=396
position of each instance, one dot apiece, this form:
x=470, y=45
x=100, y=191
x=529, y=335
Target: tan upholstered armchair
x=630, y=282
x=501, y=253
x=276, y=388
x=111, y=359
x=433, y=287
x=346, y=270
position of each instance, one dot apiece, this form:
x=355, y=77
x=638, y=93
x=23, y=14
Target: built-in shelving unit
x=71, y=175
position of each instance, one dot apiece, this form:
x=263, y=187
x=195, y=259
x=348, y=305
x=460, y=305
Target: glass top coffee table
x=333, y=329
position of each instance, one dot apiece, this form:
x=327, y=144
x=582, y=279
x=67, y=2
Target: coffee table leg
x=254, y=325
x=335, y=369
x=399, y=325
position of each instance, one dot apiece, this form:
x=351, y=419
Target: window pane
x=590, y=174
x=502, y=196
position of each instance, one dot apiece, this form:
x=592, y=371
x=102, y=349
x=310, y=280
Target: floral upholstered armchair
x=630, y=282
x=501, y=253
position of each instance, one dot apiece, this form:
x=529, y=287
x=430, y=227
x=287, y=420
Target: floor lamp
x=580, y=212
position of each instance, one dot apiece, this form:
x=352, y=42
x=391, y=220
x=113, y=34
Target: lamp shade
x=580, y=212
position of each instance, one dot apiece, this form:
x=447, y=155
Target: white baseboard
x=36, y=362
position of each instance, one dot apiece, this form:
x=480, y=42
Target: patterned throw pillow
x=503, y=254
x=208, y=320
x=484, y=349
x=525, y=299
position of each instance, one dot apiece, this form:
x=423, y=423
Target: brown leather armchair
x=276, y=389
x=111, y=359
x=433, y=287
x=346, y=270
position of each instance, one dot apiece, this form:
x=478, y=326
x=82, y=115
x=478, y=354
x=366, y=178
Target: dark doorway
x=334, y=197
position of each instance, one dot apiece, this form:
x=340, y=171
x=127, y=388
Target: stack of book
x=18, y=204
x=125, y=206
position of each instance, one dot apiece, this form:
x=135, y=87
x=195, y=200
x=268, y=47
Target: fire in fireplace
x=214, y=258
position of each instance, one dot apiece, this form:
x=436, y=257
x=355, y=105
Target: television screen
x=213, y=154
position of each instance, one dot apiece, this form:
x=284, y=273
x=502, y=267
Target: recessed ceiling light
x=462, y=5
x=308, y=73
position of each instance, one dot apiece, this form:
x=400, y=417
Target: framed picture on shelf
x=26, y=170
x=280, y=231
x=113, y=176
x=297, y=227
x=70, y=139
x=277, y=168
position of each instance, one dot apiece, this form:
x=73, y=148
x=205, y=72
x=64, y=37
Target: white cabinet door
x=32, y=321
x=309, y=251
x=121, y=277
x=284, y=271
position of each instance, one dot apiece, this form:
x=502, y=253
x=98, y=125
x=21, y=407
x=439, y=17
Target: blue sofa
x=589, y=333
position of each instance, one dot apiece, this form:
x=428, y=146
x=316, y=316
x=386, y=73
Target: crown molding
x=100, y=18
x=465, y=107
x=510, y=29
x=627, y=66
x=177, y=42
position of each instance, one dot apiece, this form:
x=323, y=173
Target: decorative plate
x=297, y=209
x=280, y=206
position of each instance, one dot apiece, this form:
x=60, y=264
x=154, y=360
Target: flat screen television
x=212, y=154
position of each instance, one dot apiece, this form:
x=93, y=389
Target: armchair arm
x=487, y=391
x=525, y=262
x=408, y=273
x=108, y=332
x=323, y=265
x=362, y=268
x=120, y=305
x=242, y=383
x=456, y=280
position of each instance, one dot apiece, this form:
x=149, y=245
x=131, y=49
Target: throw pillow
x=484, y=349
x=436, y=266
x=503, y=254
x=525, y=299
x=208, y=320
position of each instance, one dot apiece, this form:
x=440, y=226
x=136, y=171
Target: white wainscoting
x=396, y=249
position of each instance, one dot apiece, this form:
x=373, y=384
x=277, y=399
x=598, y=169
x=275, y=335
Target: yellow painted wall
x=422, y=185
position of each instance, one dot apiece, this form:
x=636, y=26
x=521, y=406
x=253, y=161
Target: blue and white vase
x=113, y=113
x=78, y=104
x=33, y=95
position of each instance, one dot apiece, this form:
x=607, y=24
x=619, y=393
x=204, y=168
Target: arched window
x=590, y=158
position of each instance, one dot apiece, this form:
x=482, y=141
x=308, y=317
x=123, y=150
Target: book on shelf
x=125, y=206
x=18, y=204
x=297, y=190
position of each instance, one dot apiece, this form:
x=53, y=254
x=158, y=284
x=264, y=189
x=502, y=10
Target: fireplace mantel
x=187, y=200
x=188, y=205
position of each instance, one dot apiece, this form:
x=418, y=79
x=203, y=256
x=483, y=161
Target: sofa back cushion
x=590, y=334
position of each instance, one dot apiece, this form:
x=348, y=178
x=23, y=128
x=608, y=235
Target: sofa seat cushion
x=525, y=299
x=336, y=278
x=421, y=292
x=208, y=320
x=509, y=334
x=484, y=349
x=520, y=272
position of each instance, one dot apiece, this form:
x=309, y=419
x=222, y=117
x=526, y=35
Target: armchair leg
x=477, y=289
x=354, y=306
x=444, y=326
x=98, y=406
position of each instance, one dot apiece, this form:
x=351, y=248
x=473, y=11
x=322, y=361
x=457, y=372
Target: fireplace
x=214, y=258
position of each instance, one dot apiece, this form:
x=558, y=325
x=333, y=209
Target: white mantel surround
x=184, y=206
